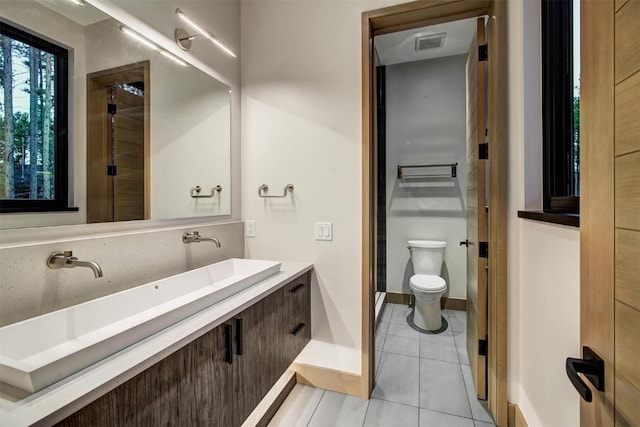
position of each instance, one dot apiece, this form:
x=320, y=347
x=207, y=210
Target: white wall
x=544, y=259
x=301, y=124
x=426, y=124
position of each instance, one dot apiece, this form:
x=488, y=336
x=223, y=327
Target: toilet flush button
x=324, y=231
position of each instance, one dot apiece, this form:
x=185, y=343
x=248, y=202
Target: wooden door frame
x=413, y=15
x=96, y=135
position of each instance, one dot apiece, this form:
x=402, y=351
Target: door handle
x=592, y=366
x=239, y=338
x=228, y=343
x=465, y=243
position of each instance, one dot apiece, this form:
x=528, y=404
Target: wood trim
x=368, y=213
x=445, y=302
x=398, y=298
x=597, y=199
x=330, y=379
x=515, y=418
x=454, y=304
x=269, y=405
x=498, y=221
x=413, y=15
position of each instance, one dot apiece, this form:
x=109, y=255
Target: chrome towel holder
x=262, y=190
x=195, y=192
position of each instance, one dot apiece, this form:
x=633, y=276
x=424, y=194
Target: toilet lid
x=428, y=283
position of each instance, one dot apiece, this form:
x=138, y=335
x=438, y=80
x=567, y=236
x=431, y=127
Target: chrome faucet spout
x=195, y=237
x=67, y=260
x=97, y=271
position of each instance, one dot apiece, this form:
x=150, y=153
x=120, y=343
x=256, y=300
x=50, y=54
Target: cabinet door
x=190, y=387
x=256, y=365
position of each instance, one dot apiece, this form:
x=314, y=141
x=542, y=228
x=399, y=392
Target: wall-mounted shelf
x=452, y=166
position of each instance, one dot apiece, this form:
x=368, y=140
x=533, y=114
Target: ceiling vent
x=431, y=41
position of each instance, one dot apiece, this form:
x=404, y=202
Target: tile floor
x=421, y=380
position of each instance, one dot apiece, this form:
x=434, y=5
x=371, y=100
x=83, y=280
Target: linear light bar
x=139, y=38
x=174, y=58
x=152, y=45
x=203, y=33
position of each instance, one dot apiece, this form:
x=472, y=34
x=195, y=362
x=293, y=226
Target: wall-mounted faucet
x=196, y=238
x=67, y=260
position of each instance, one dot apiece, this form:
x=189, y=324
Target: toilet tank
x=427, y=256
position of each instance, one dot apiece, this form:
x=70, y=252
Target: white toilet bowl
x=428, y=290
x=426, y=283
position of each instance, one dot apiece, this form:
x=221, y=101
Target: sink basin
x=39, y=351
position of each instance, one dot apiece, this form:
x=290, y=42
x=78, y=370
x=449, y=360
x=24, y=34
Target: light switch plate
x=324, y=231
x=250, y=228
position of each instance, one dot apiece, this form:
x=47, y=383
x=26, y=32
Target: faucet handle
x=67, y=254
x=196, y=233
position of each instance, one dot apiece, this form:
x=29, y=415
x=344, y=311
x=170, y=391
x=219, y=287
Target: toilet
x=426, y=283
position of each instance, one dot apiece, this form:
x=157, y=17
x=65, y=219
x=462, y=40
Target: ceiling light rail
x=146, y=42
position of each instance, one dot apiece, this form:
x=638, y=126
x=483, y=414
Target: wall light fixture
x=142, y=40
x=183, y=38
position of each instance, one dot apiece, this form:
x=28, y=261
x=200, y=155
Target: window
x=561, y=105
x=33, y=123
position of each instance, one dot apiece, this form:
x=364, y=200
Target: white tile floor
x=421, y=380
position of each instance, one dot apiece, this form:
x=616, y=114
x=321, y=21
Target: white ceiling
x=85, y=15
x=399, y=47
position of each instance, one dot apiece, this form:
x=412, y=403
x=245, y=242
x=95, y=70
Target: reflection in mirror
x=144, y=129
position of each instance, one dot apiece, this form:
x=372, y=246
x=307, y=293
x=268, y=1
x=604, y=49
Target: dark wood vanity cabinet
x=218, y=379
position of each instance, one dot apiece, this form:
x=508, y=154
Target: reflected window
x=33, y=123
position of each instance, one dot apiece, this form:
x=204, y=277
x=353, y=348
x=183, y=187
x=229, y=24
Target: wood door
x=476, y=211
x=610, y=206
x=127, y=153
x=122, y=140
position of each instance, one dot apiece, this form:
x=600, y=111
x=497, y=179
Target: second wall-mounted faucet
x=196, y=238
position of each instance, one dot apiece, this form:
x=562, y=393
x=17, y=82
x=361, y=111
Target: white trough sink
x=39, y=351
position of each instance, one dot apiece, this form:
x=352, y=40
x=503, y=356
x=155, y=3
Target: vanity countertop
x=59, y=400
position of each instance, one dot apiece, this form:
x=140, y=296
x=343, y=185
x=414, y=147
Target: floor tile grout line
x=316, y=408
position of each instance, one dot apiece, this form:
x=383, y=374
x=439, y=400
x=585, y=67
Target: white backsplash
x=29, y=288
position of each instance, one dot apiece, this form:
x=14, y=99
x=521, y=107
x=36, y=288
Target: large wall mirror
x=149, y=135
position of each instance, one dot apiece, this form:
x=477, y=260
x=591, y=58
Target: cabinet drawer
x=297, y=295
x=297, y=335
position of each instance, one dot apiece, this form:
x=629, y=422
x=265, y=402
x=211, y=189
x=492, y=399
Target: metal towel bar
x=453, y=166
x=195, y=192
x=264, y=188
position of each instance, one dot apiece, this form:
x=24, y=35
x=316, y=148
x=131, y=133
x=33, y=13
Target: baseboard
x=329, y=379
x=515, y=417
x=397, y=298
x=407, y=299
x=454, y=304
x=269, y=405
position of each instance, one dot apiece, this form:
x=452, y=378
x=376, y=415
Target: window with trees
x=561, y=104
x=33, y=123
